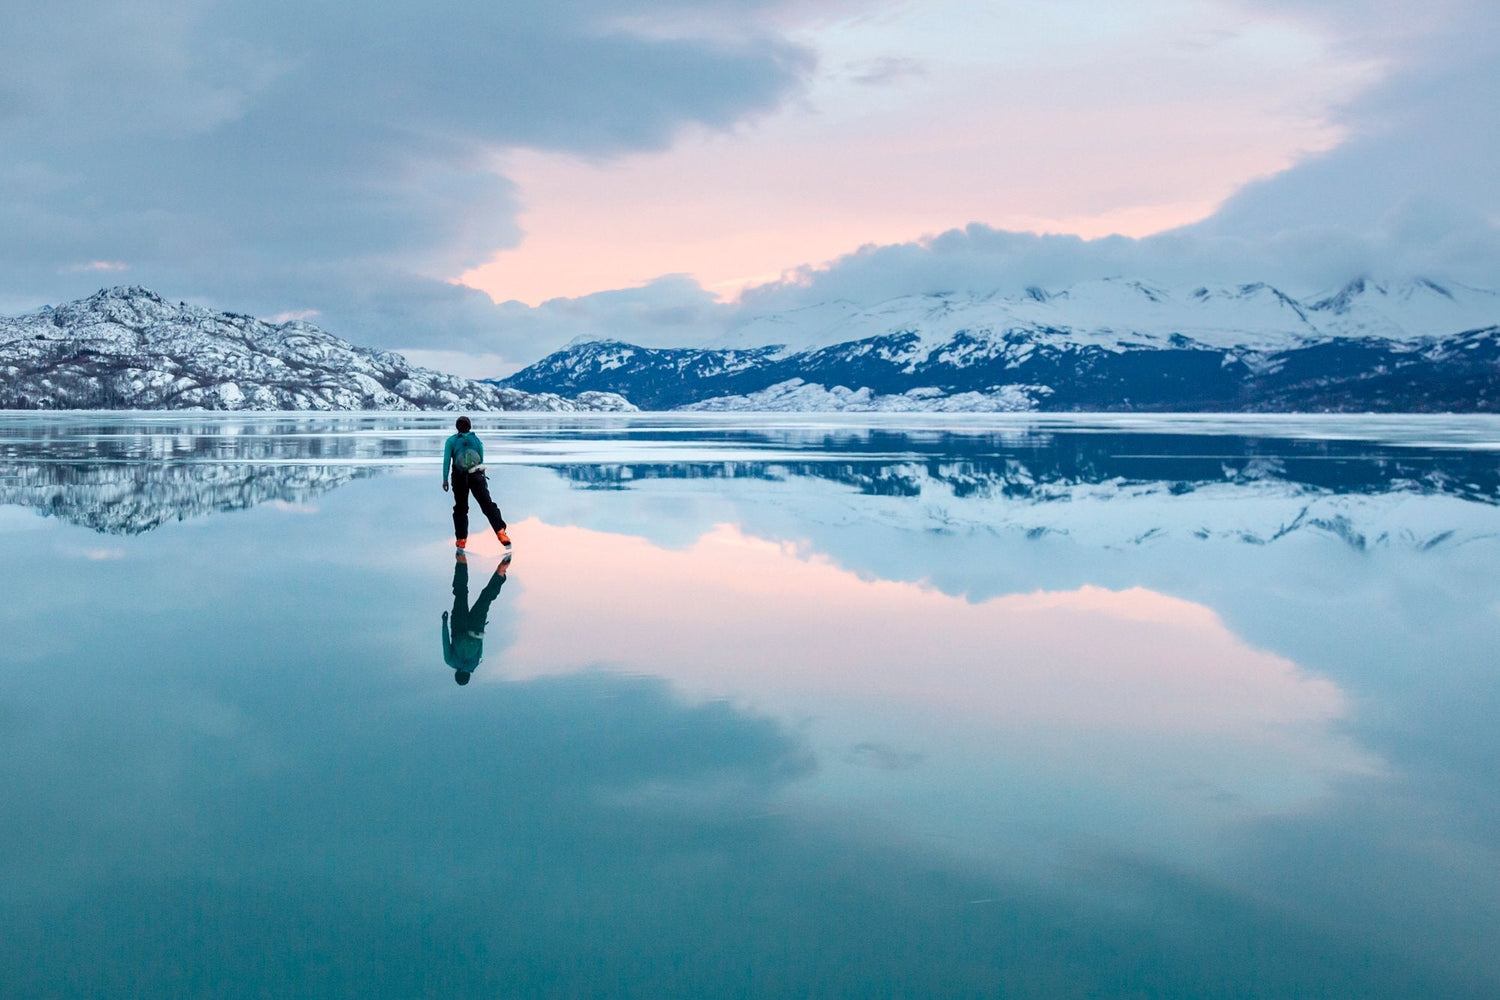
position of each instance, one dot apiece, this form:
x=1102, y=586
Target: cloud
x=1421, y=139
x=295, y=314
x=1414, y=239
x=672, y=311
x=280, y=156
x=98, y=267
x=885, y=70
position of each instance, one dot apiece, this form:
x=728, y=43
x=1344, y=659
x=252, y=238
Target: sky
x=477, y=182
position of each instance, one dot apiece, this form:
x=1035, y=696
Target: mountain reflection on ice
x=127, y=475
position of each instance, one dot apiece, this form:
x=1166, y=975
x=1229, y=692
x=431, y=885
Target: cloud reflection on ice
x=1136, y=695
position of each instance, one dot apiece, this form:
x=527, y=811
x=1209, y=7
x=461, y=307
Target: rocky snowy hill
x=127, y=348
x=1106, y=345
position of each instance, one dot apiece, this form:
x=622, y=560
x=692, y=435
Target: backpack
x=466, y=453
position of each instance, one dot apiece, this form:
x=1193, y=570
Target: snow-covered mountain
x=1103, y=345
x=127, y=348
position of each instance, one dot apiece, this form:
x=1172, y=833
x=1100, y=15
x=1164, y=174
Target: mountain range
x=128, y=348
x=1106, y=345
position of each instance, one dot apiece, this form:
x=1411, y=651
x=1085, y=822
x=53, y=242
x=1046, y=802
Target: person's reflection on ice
x=463, y=634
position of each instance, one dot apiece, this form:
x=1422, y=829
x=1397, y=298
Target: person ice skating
x=464, y=453
x=463, y=636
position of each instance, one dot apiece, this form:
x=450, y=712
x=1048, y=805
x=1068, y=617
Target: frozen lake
x=762, y=706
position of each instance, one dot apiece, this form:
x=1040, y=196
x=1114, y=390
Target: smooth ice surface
x=761, y=706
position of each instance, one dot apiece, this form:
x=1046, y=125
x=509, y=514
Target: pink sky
x=1071, y=118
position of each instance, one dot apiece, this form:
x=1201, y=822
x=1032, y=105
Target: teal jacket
x=456, y=445
x=462, y=650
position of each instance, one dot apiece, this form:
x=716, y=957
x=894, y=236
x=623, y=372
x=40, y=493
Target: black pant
x=467, y=619
x=465, y=483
